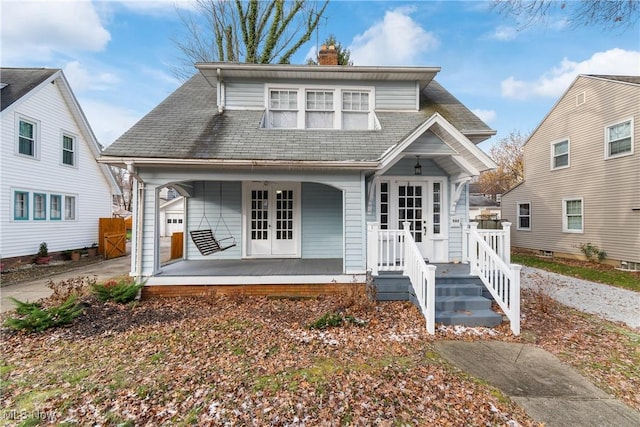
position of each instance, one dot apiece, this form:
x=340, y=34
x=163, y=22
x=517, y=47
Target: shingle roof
x=626, y=79
x=186, y=125
x=20, y=81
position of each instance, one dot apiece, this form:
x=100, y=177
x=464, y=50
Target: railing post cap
x=473, y=224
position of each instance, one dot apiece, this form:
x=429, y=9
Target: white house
x=52, y=188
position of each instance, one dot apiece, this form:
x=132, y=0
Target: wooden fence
x=112, y=237
x=177, y=245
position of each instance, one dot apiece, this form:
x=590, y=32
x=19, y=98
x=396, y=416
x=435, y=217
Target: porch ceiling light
x=417, y=169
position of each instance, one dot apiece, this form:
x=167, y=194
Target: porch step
x=460, y=300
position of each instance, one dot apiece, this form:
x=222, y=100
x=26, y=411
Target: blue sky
x=118, y=55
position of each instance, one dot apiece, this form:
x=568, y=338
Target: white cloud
x=486, y=116
x=156, y=7
x=36, y=30
x=82, y=79
x=553, y=83
x=505, y=33
x=396, y=40
x=108, y=121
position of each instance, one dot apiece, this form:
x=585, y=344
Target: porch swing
x=205, y=239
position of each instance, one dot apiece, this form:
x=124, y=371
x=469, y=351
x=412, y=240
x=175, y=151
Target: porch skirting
x=264, y=290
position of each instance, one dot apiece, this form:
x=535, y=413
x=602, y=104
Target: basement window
x=629, y=266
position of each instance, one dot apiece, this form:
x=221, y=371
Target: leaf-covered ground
x=254, y=361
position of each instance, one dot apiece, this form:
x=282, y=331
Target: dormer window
x=319, y=114
x=319, y=108
x=283, y=109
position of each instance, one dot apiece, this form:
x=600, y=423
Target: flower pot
x=75, y=256
x=92, y=251
x=43, y=260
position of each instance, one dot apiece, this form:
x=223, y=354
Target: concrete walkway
x=549, y=391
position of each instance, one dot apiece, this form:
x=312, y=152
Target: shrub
x=592, y=251
x=33, y=318
x=43, y=250
x=330, y=320
x=121, y=291
x=65, y=288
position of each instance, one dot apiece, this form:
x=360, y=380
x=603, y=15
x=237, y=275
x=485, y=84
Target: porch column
x=372, y=247
x=473, y=247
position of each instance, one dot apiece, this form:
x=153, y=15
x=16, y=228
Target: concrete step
x=462, y=303
x=458, y=289
x=486, y=318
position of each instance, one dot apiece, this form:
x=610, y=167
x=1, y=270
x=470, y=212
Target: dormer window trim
x=313, y=100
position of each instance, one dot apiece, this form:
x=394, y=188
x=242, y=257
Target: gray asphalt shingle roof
x=20, y=81
x=186, y=125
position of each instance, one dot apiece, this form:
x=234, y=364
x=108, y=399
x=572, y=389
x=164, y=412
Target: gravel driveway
x=611, y=303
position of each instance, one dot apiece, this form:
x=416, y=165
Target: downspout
x=139, y=222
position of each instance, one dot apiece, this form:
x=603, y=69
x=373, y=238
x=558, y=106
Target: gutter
x=349, y=164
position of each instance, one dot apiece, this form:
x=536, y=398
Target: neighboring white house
x=52, y=188
x=171, y=212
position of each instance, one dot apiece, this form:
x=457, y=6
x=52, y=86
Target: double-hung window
x=283, y=108
x=560, y=154
x=524, y=216
x=619, y=139
x=69, y=208
x=572, y=216
x=39, y=206
x=55, y=207
x=319, y=109
x=68, y=150
x=355, y=110
x=27, y=133
x=21, y=205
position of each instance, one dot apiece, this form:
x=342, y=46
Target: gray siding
x=610, y=188
x=455, y=233
x=396, y=96
x=405, y=167
x=389, y=95
x=321, y=221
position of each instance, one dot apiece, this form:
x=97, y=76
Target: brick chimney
x=328, y=55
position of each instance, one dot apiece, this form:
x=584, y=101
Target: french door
x=422, y=205
x=272, y=212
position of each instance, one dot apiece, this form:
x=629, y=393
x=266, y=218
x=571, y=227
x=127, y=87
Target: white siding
x=396, y=96
x=244, y=94
x=47, y=175
x=610, y=188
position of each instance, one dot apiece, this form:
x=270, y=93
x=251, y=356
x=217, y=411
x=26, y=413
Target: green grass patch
x=597, y=273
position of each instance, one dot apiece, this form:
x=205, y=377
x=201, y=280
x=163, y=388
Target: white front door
x=272, y=212
x=421, y=203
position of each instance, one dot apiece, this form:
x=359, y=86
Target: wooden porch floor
x=277, y=267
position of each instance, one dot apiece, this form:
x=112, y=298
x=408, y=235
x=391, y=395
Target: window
x=283, y=108
x=619, y=139
x=524, y=216
x=68, y=150
x=55, y=208
x=560, y=154
x=572, y=217
x=21, y=205
x=437, y=205
x=39, y=206
x=319, y=113
x=69, y=208
x=355, y=110
x=384, y=205
x=27, y=138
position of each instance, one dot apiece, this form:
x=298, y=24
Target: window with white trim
x=572, y=216
x=69, y=208
x=20, y=205
x=39, y=206
x=27, y=138
x=618, y=139
x=384, y=205
x=55, y=207
x=523, y=215
x=319, y=109
x=283, y=109
x=355, y=110
x=437, y=208
x=68, y=150
x=560, y=154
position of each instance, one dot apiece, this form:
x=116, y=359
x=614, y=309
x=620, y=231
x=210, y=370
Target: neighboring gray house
x=53, y=190
x=292, y=162
x=582, y=174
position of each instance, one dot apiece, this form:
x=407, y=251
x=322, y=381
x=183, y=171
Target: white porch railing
x=395, y=250
x=488, y=253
